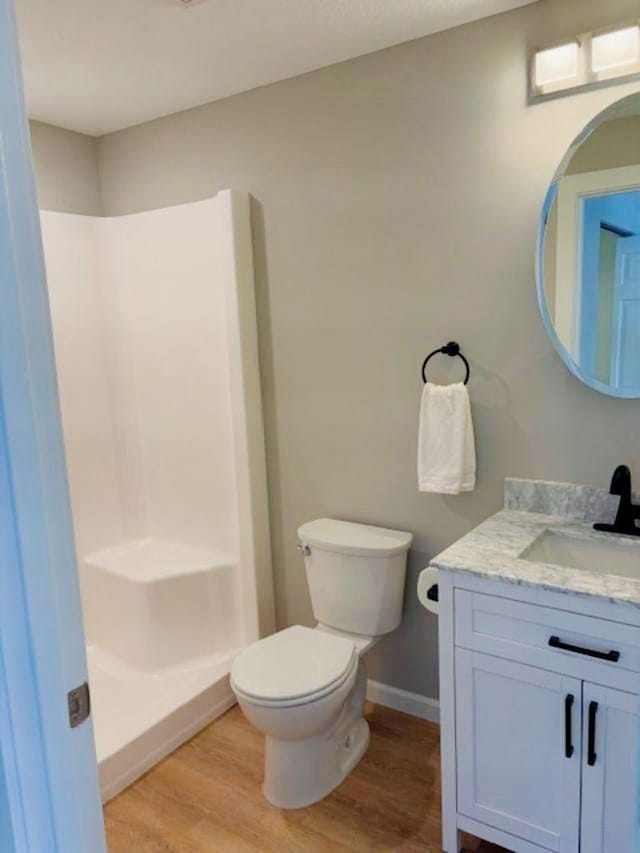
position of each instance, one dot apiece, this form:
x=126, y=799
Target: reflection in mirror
x=590, y=258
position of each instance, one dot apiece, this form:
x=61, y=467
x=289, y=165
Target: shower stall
x=154, y=327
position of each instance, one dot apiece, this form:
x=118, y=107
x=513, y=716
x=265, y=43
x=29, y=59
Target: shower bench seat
x=154, y=604
x=162, y=625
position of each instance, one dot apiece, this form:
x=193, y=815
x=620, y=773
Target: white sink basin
x=617, y=557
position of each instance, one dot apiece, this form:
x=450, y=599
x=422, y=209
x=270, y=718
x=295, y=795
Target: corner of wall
x=66, y=170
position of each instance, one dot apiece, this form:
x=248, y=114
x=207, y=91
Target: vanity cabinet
x=540, y=714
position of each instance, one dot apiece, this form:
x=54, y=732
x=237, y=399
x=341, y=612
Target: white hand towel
x=446, y=445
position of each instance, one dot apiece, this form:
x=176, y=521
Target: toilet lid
x=291, y=664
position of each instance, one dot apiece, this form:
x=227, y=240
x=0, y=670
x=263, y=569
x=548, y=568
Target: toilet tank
x=356, y=574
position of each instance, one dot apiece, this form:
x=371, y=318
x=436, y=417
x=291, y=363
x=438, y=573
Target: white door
x=611, y=771
x=625, y=335
x=49, y=794
x=518, y=749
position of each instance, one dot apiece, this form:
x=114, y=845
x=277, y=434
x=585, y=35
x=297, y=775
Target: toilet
x=304, y=688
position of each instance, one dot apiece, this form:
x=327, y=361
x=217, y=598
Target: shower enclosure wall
x=155, y=340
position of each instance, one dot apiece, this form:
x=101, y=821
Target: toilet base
x=300, y=773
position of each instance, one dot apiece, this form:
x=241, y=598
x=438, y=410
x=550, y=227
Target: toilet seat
x=293, y=667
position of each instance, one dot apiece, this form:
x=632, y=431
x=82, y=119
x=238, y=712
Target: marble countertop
x=492, y=550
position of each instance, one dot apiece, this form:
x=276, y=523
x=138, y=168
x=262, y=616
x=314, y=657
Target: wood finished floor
x=206, y=798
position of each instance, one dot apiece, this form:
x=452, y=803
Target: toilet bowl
x=312, y=720
x=304, y=688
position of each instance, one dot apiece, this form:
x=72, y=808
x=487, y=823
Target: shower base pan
x=160, y=619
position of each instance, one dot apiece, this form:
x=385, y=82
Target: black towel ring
x=452, y=349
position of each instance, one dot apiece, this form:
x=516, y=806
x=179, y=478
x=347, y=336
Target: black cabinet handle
x=591, y=747
x=556, y=643
x=568, y=713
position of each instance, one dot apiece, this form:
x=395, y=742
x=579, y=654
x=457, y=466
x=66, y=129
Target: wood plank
x=206, y=797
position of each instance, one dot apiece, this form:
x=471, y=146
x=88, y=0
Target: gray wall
x=66, y=166
x=397, y=207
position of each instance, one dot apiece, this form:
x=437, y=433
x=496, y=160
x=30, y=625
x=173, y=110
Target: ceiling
x=96, y=66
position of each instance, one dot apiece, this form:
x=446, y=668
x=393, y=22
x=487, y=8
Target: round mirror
x=589, y=253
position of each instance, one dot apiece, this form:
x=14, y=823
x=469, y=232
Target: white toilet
x=305, y=687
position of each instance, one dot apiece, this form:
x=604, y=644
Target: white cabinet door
x=610, y=771
x=518, y=746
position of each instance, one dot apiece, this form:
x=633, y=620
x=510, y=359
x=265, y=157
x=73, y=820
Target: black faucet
x=627, y=512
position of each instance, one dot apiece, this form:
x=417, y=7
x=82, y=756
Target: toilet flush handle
x=304, y=550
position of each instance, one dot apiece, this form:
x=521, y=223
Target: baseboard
x=403, y=700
